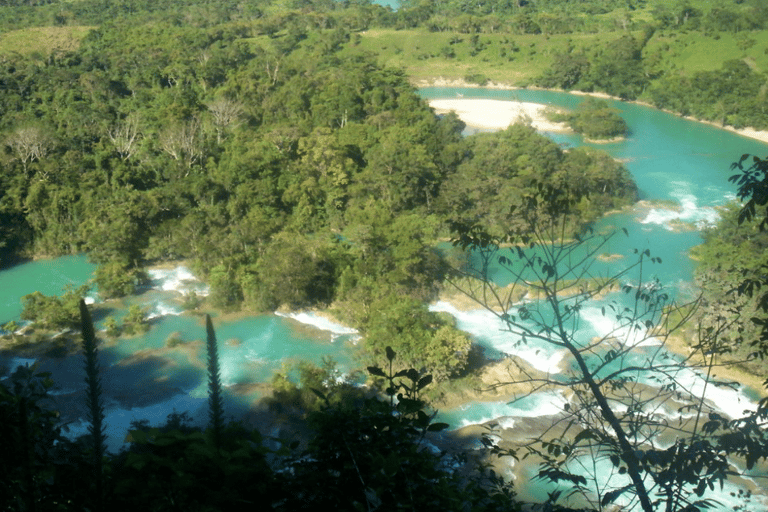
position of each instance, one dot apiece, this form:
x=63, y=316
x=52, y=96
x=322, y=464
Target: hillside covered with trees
x=289, y=172
x=281, y=148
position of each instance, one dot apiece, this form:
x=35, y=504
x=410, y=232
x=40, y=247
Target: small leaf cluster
x=54, y=312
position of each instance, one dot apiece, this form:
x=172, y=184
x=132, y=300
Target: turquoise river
x=681, y=168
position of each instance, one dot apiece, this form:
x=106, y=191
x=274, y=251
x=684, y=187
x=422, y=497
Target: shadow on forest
x=301, y=446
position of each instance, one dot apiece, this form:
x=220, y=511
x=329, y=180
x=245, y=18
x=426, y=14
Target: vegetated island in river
x=594, y=119
x=752, y=133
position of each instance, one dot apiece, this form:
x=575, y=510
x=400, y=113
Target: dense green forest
x=289, y=172
x=691, y=56
x=271, y=145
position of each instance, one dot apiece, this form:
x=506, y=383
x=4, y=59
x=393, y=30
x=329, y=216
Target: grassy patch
x=518, y=59
x=42, y=41
x=693, y=51
x=502, y=58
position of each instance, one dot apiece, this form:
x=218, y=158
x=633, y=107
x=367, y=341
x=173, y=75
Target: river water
x=681, y=168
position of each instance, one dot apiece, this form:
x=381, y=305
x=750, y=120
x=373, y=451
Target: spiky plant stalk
x=28, y=451
x=93, y=401
x=215, y=401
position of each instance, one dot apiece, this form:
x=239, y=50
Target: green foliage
x=111, y=327
x=378, y=450
x=731, y=270
x=421, y=337
x=615, y=67
x=595, y=120
x=565, y=72
x=54, y=312
x=608, y=418
x=752, y=185
x=135, y=322
x=178, y=466
x=731, y=95
x=225, y=290
x=295, y=387
x=215, y=400
x=297, y=271
x=191, y=301
x=174, y=340
x=29, y=431
x=732, y=254
x=745, y=272
x=507, y=167
x=10, y=327
x=477, y=78
x=113, y=279
x=300, y=196
x=362, y=451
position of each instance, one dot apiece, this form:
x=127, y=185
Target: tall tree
x=215, y=400
x=93, y=402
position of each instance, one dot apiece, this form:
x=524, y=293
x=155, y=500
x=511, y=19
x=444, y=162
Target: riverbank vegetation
x=274, y=147
x=594, y=119
x=731, y=255
x=690, y=57
x=289, y=172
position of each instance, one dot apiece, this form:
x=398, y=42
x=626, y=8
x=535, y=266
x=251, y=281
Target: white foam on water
x=609, y=479
x=548, y=403
x=730, y=401
x=482, y=412
x=253, y=357
x=606, y=326
x=506, y=423
x=488, y=329
x=665, y=411
x=547, y=363
x=179, y=279
x=688, y=212
x=320, y=322
x=485, y=325
x=160, y=309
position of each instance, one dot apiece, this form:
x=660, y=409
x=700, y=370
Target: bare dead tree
x=226, y=115
x=125, y=135
x=202, y=58
x=29, y=144
x=184, y=142
x=273, y=69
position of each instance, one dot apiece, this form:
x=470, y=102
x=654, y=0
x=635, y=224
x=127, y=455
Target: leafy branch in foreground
x=632, y=429
x=753, y=187
x=382, y=449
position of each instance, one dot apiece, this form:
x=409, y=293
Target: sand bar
x=752, y=133
x=496, y=114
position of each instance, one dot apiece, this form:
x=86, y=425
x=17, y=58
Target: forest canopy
x=262, y=143
x=265, y=160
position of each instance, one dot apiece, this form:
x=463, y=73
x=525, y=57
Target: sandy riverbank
x=761, y=135
x=497, y=114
